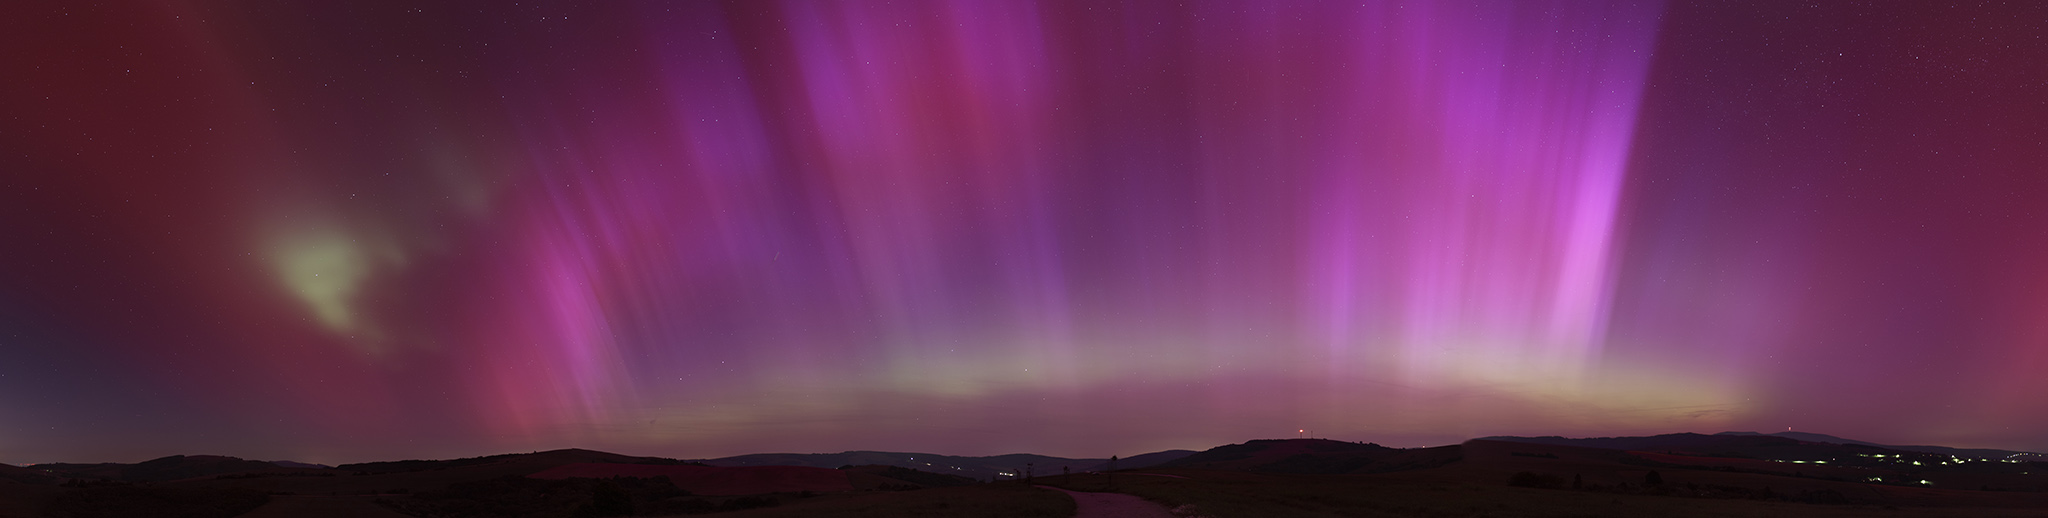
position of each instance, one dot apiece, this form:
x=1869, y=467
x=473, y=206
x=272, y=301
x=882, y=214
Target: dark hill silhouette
x=1779, y=446
x=712, y=480
x=1315, y=456
x=1724, y=472
x=17, y=474
x=915, y=477
x=1145, y=460
x=175, y=467
x=105, y=470
x=978, y=468
x=1690, y=442
x=537, y=460
x=1810, y=472
x=1809, y=437
x=414, y=476
x=1968, y=453
x=1723, y=446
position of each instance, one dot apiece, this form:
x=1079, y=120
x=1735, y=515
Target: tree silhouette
x=608, y=499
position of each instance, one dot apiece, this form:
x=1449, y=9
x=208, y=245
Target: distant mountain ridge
x=1272, y=455
x=175, y=467
x=1787, y=470
x=1145, y=460
x=1316, y=456
x=1670, y=441
x=979, y=468
x=1972, y=453
x=23, y=475
x=1776, y=445
x=541, y=458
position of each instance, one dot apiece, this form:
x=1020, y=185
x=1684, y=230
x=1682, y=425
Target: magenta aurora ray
x=343, y=231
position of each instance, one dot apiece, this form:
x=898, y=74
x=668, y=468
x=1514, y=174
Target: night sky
x=348, y=231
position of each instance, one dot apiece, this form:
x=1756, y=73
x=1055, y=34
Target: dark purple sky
x=345, y=231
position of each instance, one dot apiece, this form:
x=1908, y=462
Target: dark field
x=1689, y=476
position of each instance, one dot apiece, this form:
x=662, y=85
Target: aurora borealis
x=346, y=231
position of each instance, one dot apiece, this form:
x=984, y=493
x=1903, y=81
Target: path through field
x=1112, y=505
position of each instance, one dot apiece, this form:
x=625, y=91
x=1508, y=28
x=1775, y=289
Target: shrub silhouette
x=607, y=499
x=125, y=500
x=521, y=497
x=1535, y=480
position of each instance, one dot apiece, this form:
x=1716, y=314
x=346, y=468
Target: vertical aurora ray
x=1511, y=200
x=986, y=227
x=837, y=208
x=1455, y=173
x=930, y=194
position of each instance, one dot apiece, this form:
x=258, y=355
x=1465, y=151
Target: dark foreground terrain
x=1676, y=475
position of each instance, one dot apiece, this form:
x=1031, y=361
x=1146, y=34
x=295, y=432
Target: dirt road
x=1112, y=505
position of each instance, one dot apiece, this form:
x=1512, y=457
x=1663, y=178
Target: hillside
x=17, y=474
x=1145, y=460
x=918, y=478
x=1315, y=456
x=978, y=468
x=1787, y=457
x=541, y=459
x=175, y=467
x=1672, y=474
x=1968, y=453
x=1508, y=479
x=713, y=480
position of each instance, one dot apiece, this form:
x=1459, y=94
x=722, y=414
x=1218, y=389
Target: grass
x=1226, y=494
x=142, y=500
x=1006, y=500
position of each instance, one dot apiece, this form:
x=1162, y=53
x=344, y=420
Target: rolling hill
x=1315, y=456
x=978, y=468
x=1682, y=474
x=1145, y=460
x=1968, y=453
x=175, y=467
